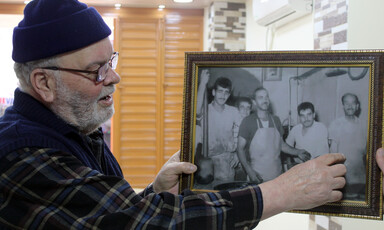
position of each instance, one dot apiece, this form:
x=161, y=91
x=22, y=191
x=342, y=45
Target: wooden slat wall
x=147, y=125
x=181, y=34
x=139, y=71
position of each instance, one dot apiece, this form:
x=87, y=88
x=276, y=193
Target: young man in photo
x=222, y=122
x=309, y=134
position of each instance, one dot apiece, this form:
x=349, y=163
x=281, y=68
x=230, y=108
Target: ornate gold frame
x=373, y=60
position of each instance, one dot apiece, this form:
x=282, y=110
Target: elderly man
x=260, y=138
x=56, y=171
x=348, y=135
x=309, y=134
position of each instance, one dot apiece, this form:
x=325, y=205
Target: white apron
x=264, y=152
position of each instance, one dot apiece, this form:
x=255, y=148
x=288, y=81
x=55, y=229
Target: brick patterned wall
x=227, y=26
x=330, y=28
x=331, y=23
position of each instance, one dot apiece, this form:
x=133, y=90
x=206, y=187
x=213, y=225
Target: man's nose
x=112, y=77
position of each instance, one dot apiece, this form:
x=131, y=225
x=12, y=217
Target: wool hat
x=52, y=27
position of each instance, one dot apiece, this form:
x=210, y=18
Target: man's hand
x=306, y=185
x=255, y=177
x=304, y=155
x=234, y=161
x=380, y=159
x=167, y=180
x=204, y=77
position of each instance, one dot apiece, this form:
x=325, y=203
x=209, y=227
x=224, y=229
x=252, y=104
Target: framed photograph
x=247, y=116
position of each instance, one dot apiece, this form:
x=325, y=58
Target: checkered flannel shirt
x=50, y=189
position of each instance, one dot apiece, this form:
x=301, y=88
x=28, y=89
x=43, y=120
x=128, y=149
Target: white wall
x=296, y=35
x=7, y=77
x=365, y=20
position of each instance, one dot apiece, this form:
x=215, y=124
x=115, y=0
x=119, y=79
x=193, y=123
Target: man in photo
x=260, y=138
x=244, y=105
x=309, y=134
x=348, y=135
x=222, y=122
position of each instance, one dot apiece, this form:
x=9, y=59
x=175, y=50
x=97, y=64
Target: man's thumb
x=380, y=158
x=188, y=168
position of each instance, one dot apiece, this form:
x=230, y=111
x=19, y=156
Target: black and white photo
x=248, y=127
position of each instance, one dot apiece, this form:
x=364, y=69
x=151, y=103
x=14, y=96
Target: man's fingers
x=339, y=183
x=380, y=158
x=336, y=196
x=181, y=167
x=332, y=158
x=338, y=170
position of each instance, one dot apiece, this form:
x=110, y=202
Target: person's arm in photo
x=204, y=78
x=333, y=145
x=324, y=137
x=253, y=176
x=288, y=148
x=300, y=153
x=290, y=140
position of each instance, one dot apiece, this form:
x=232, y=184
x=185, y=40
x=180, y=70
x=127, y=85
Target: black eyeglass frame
x=101, y=74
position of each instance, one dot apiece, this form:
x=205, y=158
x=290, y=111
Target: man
x=244, y=105
x=309, y=135
x=348, y=135
x=57, y=173
x=222, y=122
x=260, y=138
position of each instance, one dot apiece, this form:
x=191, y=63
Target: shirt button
x=245, y=228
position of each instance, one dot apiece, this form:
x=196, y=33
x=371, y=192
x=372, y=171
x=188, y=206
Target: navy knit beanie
x=52, y=27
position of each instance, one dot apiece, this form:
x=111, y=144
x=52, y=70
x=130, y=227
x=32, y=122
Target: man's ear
x=43, y=84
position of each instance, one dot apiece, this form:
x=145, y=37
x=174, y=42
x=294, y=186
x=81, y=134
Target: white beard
x=80, y=110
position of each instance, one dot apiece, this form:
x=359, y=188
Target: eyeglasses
x=101, y=72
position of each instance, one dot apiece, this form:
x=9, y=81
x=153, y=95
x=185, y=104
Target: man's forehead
x=222, y=88
x=350, y=98
x=96, y=53
x=261, y=92
x=305, y=111
x=245, y=104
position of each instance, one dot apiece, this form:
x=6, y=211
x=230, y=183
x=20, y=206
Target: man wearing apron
x=260, y=142
x=222, y=122
x=348, y=135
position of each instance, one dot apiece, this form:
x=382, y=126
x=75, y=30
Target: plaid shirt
x=50, y=189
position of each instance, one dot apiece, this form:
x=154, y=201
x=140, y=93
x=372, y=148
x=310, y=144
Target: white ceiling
x=196, y=4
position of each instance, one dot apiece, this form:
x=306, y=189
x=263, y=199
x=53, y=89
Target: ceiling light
x=117, y=6
x=183, y=1
x=161, y=7
x=26, y=2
